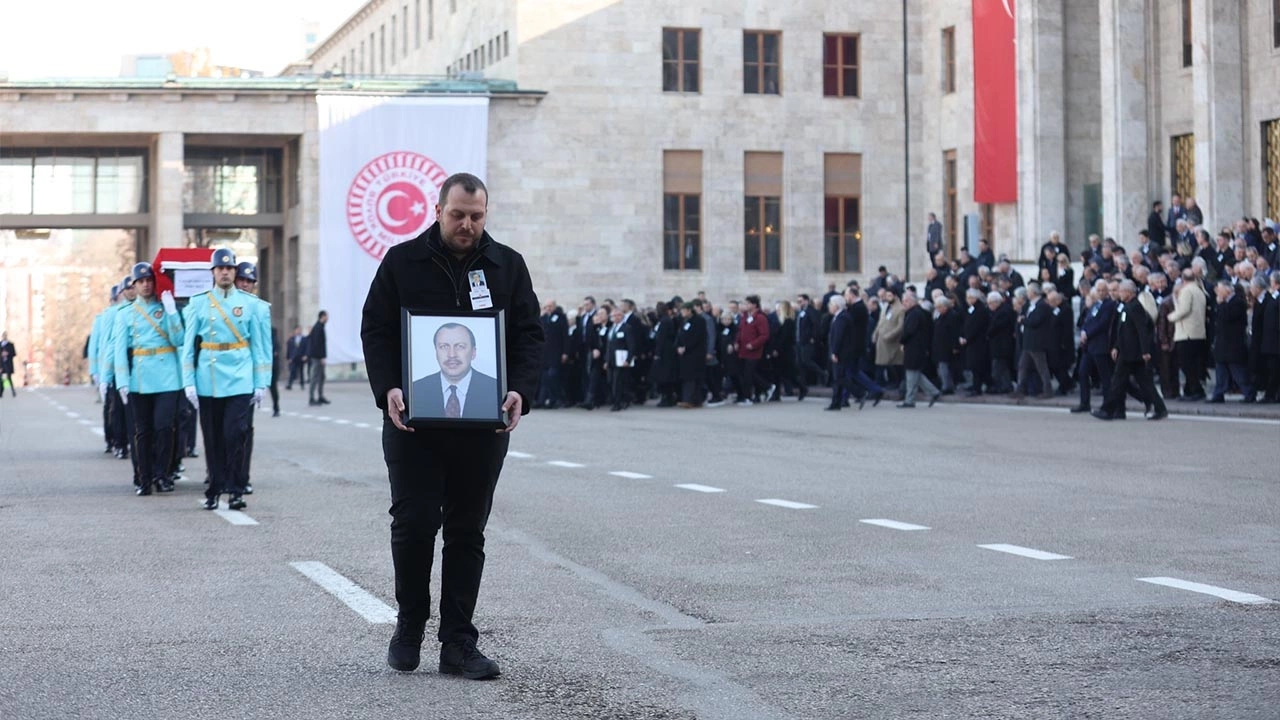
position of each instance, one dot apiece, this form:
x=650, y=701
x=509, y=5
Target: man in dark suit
x=917, y=342
x=1271, y=342
x=1133, y=339
x=1229, y=349
x=973, y=336
x=847, y=344
x=1155, y=225
x=1095, y=345
x=1001, y=334
x=933, y=240
x=457, y=390
x=295, y=349
x=946, y=344
x=1258, y=369
x=317, y=351
x=620, y=357
x=1037, y=340
x=555, y=355
x=807, y=326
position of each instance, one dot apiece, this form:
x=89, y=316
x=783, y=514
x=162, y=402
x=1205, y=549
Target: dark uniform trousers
x=1120, y=386
x=119, y=420
x=224, y=423
x=154, y=425
x=441, y=478
x=1095, y=362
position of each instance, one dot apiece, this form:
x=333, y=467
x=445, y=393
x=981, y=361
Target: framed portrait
x=455, y=369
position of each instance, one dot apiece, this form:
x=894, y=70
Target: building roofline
x=343, y=29
x=303, y=84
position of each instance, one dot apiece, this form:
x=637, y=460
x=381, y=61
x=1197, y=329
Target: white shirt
x=461, y=392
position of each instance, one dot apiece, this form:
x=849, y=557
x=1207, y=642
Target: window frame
x=840, y=66
x=842, y=234
x=950, y=201
x=1188, y=49
x=949, y=60
x=760, y=66
x=682, y=232
x=680, y=62
x=761, y=221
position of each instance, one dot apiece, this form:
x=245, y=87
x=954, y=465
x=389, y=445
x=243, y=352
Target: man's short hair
x=838, y=301
x=589, y=299
x=974, y=293
x=449, y=326
x=470, y=185
x=994, y=297
x=1129, y=285
x=754, y=300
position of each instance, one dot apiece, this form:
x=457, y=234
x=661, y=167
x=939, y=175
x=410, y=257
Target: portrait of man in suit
x=457, y=390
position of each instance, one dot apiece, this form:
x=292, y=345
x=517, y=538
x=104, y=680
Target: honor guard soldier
x=118, y=420
x=96, y=338
x=226, y=378
x=247, y=282
x=149, y=377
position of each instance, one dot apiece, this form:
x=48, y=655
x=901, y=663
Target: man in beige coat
x=1189, y=335
x=888, y=335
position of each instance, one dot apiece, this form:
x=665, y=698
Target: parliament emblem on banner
x=393, y=199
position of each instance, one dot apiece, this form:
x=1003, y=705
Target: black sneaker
x=404, y=652
x=236, y=503
x=248, y=489
x=210, y=503
x=463, y=658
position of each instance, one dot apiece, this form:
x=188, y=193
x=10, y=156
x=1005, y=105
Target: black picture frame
x=481, y=390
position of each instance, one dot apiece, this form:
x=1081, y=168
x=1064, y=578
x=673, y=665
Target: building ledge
x=295, y=84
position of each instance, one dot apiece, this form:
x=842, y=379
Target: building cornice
x=345, y=28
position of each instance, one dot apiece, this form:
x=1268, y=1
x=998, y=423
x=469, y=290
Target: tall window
x=1271, y=166
x=394, y=24
x=681, y=209
x=761, y=63
x=988, y=213
x=1182, y=165
x=453, y=6
x=361, y=57
x=1275, y=23
x=491, y=60
x=382, y=48
x=840, y=65
x=679, y=60
x=950, y=208
x=949, y=60
x=417, y=24
x=431, y=19
x=353, y=60
x=404, y=32
x=842, y=190
x=506, y=48
x=1186, y=33
x=373, y=53
x=762, y=184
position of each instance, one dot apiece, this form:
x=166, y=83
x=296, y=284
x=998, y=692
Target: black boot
x=404, y=652
x=463, y=658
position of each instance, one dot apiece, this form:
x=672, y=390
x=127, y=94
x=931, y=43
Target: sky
x=88, y=38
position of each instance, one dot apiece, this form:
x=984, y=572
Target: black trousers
x=752, y=382
x=805, y=362
x=187, y=416
x=224, y=423
x=441, y=479
x=119, y=430
x=1140, y=371
x=295, y=374
x=1101, y=363
x=155, y=418
x=1191, y=358
x=620, y=383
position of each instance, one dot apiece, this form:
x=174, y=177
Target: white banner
x=382, y=162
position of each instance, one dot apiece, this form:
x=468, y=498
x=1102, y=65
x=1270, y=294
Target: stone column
x=167, y=176
x=1219, y=109
x=1126, y=195
x=1042, y=164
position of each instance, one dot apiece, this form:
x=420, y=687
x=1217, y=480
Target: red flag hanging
x=995, y=102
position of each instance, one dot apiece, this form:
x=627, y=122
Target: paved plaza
x=721, y=564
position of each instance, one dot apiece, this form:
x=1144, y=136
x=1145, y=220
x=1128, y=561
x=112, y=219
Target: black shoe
x=248, y=489
x=211, y=503
x=933, y=399
x=615, y=408
x=236, y=503
x=875, y=399
x=1081, y=409
x=973, y=393
x=141, y=490
x=275, y=413
x=1249, y=400
x=833, y=407
x=192, y=453
x=905, y=405
x=1159, y=416
x=804, y=393
x=325, y=401
x=109, y=449
x=861, y=401
x=1216, y=401
x=1102, y=415
x=164, y=486
x=405, y=651
x=463, y=658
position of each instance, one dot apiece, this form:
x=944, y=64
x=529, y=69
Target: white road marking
x=1231, y=595
x=324, y=418
x=893, y=524
x=787, y=504
x=97, y=431
x=235, y=517
x=307, y=416
x=1025, y=552
x=631, y=475
x=514, y=454
x=353, y=596
x=73, y=414
x=564, y=464
x=82, y=421
x=291, y=413
x=363, y=425
x=700, y=488
x=340, y=421
x=1174, y=416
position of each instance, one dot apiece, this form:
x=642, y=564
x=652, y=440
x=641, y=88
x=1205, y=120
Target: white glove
x=191, y=397
x=257, y=397
x=166, y=298
x=124, y=395
x=102, y=391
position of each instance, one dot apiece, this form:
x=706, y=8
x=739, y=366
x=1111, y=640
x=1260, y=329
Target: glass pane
x=63, y=185
x=850, y=49
x=851, y=82
x=690, y=44
x=692, y=213
x=851, y=220
x=690, y=77
x=773, y=252
x=830, y=82
x=15, y=186
x=771, y=43
x=671, y=213
x=750, y=47
x=829, y=49
x=670, y=77
x=751, y=252
x=773, y=215
x=831, y=222
x=852, y=261
x=751, y=80
x=831, y=253
x=692, y=256
x=771, y=79
x=670, y=45
x=751, y=215
x=671, y=251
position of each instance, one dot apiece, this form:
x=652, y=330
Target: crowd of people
x=1177, y=304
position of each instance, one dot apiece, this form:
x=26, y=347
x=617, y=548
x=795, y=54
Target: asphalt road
x=628, y=596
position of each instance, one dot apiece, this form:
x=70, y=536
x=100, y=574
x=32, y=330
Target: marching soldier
x=247, y=282
x=147, y=335
x=120, y=422
x=228, y=376
x=97, y=336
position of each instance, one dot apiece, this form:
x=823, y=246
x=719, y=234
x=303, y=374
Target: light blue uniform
x=107, y=348
x=95, y=342
x=153, y=338
x=235, y=344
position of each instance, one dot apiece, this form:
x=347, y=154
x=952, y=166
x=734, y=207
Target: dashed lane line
x=789, y=504
x=1174, y=416
x=894, y=524
x=1234, y=596
x=520, y=455
x=363, y=425
x=700, y=488
x=631, y=475
x=353, y=596
x=73, y=415
x=235, y=517
x=564, y=464
x=1025, y=552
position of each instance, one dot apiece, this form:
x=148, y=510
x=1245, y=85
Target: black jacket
x=1037, y=329
x=317, y=346
x=1271, y=327
x=917, y=338
x=691, y=335
x=419, y=274
x=555, y=328
x=1001, y=327
x=665, y=368
x=1229, y=324
x=806, y=326
x=946, y=336
x=845, y=341
x=1132, y=332
x=627, y=337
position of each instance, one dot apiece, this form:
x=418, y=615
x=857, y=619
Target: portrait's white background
x=422, y=330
